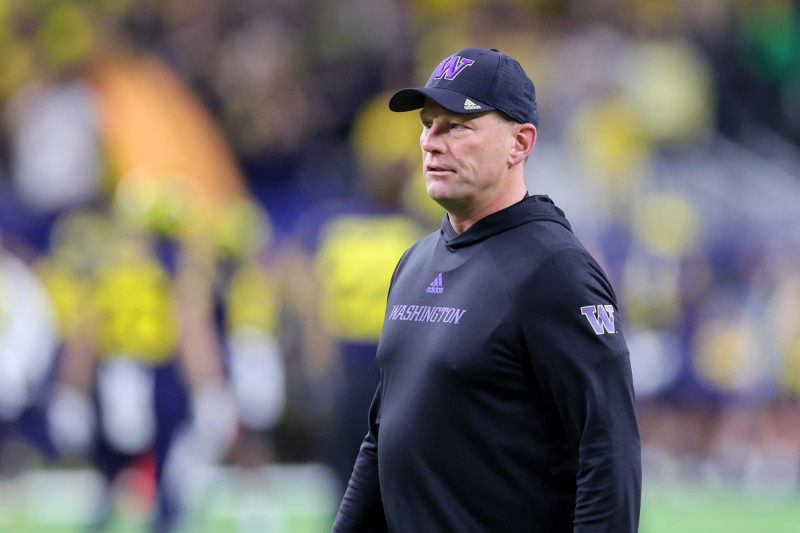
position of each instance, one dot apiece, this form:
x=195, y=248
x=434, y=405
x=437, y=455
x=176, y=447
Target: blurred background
x=201, y=204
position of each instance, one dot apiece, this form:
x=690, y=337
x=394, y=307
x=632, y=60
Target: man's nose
x=431, y=139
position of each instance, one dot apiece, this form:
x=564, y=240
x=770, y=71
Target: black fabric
x=505, y=400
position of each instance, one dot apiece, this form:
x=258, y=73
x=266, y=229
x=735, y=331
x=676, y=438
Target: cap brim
x=414, y=98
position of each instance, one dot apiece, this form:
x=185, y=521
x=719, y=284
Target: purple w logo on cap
x=451, y=67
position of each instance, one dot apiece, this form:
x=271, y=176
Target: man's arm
x=361, y=510
x=581, y=362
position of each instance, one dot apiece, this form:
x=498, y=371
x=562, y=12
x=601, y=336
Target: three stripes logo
x=436, y=286
x=469, y=105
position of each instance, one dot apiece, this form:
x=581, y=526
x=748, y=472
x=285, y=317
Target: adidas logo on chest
x=436, y=286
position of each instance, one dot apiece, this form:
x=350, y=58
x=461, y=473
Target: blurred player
x=127, y=356
x=28, y=343
x=340, y=278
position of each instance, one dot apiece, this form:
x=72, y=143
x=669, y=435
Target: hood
x=529, y=209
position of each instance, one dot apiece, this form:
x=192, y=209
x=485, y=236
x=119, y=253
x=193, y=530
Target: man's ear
x=524, y=141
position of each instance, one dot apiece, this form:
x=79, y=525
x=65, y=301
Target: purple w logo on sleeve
x=600, y=317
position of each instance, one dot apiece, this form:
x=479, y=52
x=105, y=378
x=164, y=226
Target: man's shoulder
x=541, y=239
x=541, y=245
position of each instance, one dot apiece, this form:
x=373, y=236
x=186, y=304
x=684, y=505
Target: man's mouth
x=436, y=169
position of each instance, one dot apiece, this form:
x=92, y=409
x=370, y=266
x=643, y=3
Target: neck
x=463, y=219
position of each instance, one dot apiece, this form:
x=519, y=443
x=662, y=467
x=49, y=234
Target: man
x=505, y=400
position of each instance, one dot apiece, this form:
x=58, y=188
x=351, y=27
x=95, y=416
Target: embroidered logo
x=451, y=67
x=436, y=286
x=469, y=105
x=600, y=317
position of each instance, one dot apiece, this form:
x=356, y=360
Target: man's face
x=465, y=156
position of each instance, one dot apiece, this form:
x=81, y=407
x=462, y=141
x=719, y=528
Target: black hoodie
x=505, y=401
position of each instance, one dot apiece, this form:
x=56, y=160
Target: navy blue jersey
x=505, y=400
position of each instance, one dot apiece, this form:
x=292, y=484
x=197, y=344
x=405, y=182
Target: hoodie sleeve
x=581, y=362
x=361, y=510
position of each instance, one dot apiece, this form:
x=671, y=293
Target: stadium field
x=278, y=499
x=302, y=499
x=698, y=509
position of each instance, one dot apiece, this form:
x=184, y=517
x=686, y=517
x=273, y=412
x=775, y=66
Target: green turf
x=705, y=510
x=300, y=500
x=279, y=499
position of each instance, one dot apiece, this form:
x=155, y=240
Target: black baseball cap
x=475, y=80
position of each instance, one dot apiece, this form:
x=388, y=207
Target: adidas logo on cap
x=436, y=286
x=469, y=105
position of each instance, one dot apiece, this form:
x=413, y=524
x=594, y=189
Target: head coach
x=505, y=401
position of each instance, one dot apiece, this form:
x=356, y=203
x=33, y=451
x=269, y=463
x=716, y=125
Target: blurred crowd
x=202, y=202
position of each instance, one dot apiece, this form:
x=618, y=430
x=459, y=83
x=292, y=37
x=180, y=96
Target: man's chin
x=437, y=195
x=438, y=191
x=448, y=202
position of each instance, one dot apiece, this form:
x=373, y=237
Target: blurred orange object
x=152, y=124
